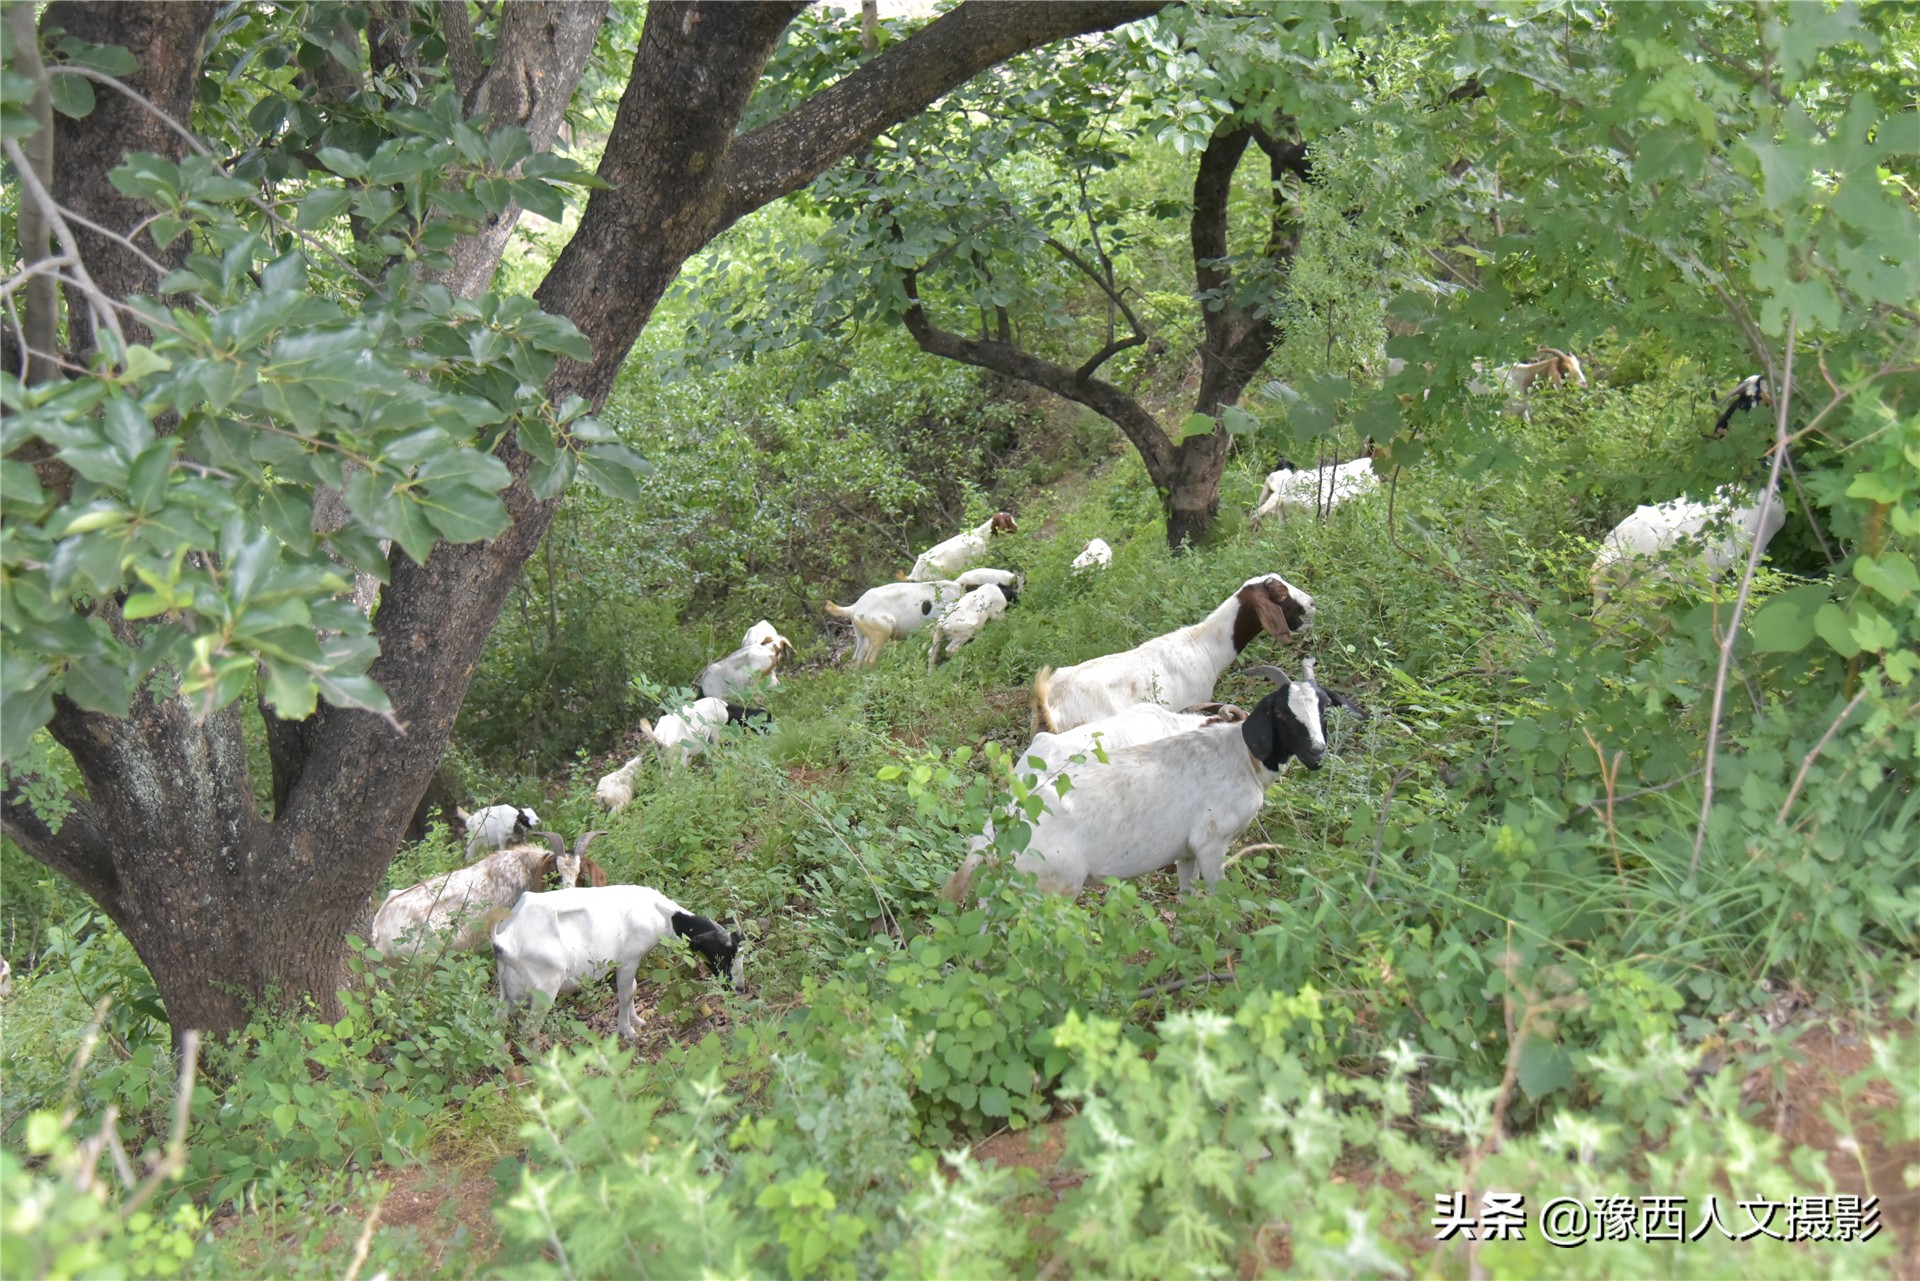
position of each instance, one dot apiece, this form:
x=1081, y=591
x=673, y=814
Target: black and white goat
x=891, y=612
x=1725, y=530
x=1320, y=489
x=1180, y=800
x=556, y=943
x=1752, y=392
x=494, y=827
x=1175, y=670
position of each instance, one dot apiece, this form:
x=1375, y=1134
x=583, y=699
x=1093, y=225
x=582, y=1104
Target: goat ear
x=1257, y=730
x=1349, y=704
x=1269, y=602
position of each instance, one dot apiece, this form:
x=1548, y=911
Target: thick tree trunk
x=226, y=906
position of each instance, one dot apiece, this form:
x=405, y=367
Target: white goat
x=461, y=900
x=964, y=618
x=688, y=732
x=1141, y=723
x=1174, y=670
x=1725, y=530
x=1517, y=381
x=1095, y=555
x=615, y=790
x=757, y=656
x=944, y=560
x=498, y=826
x=891, y=612
x=1179, y=800
x=1006, y=580
x=557, y=942
x=1318, y=489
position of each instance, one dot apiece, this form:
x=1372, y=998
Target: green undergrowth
x=1475, y=951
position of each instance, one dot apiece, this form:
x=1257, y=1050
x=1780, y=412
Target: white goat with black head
x=1752, y=392
x=1319, y=489
x=495, y=827
x=463, y=899
x=1175, y=670
x=555, y=943
x=1180, y=800
x=944, y=560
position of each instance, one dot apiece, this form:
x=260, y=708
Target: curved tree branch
x=785, y=154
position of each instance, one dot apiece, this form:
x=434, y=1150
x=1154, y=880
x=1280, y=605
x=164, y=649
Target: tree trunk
x=227, y=907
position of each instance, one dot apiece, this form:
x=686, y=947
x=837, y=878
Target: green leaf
x=1891, y=575
x=463, y=514
x=1194, y=425
x=1544, y=1067
x=108, y=59
x=99, y=684
x=1830, y=622
x=72, y=95
x=1784, y=625
x=613, y=479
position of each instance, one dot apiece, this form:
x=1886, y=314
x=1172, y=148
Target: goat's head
x=720, y=948
x=1561, y=366
x=1291, y=721
x=1270, y=604
x=1011, y=589
x=563, y=867
x=752, y=717
x=1002, y=523
x=524, y=821
x=1284, y=463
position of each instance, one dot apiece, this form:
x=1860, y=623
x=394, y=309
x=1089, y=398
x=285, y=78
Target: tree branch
x=1105, y=399
x=34, y=227
x=463, y=60
x=79, y=851
x=785, y=154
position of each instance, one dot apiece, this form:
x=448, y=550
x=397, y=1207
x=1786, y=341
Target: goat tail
x=1043, y=718
x=839, y=611
x=961, y=882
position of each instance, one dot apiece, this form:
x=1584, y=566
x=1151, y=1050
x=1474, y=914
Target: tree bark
x=226, y=906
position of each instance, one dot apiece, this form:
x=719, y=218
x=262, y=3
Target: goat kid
x=1095, y=555
x=1725, y=530
x=1179, y=800
x=758, y=656
x=944, y=560
x=1175, y=670
x=964, y=618
x=461, y=900
x=558, y=942
x=891, y=612
x=684, y=734
x=495, y=827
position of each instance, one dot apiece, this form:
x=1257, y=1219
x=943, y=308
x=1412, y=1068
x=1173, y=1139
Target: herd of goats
x=1161, y=774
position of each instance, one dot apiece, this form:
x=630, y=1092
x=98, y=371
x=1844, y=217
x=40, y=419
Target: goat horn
x=554, y=839
x=1270, y=672
x=1306, y=665
x=586, y=839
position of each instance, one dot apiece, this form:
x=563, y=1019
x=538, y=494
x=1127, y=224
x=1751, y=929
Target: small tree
x=303, y=307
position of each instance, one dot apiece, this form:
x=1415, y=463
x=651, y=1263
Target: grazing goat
x=1009, y=583
x=891, y=612
x=757, y=657
x=498, y=826
x=615, y=790
x=944, y=560
x=964, y=618
x=1174, y=670
x=1725, y=529
x=687, y=732
x=1752, y=391
x=1095, y=555
x=1321, y=489
x=1517, y=381
x=461, y=899
x=1179, y=800
x=558, y=942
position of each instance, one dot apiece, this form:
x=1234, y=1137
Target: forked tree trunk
x=227, y=907
x=1237, y=341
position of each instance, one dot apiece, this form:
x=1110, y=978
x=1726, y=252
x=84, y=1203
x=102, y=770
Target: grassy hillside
x=1457, y=958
